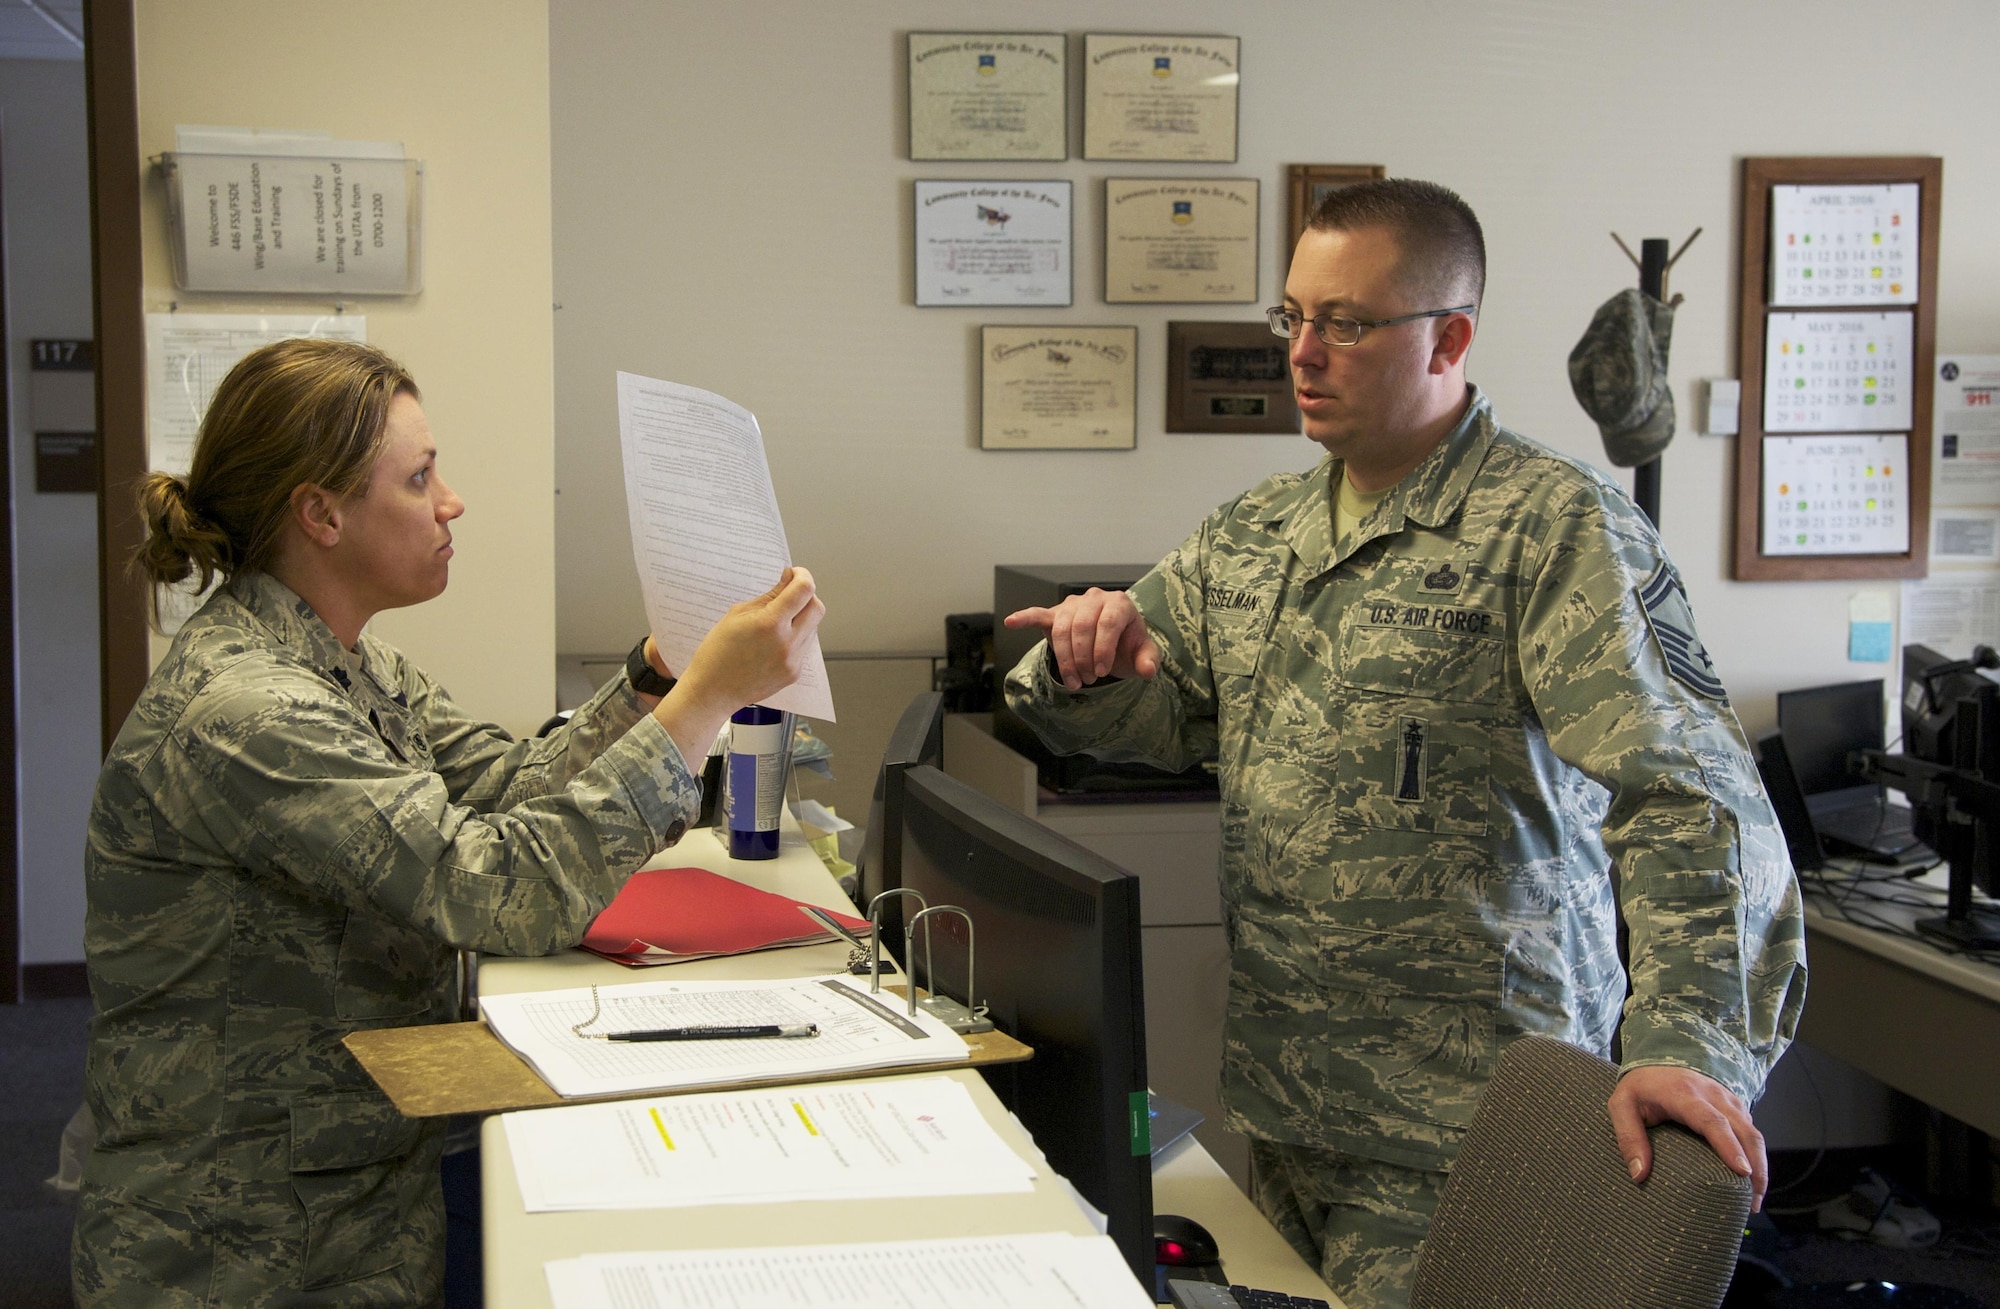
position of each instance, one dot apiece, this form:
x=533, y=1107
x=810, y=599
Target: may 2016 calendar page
x=1837, y=372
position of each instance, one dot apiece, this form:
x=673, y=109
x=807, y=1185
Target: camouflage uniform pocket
x=1409, y=1022
x=357, y=1172
x=1692, y=940
x=1235, y=640
x=1416, y=730
x=388, y=971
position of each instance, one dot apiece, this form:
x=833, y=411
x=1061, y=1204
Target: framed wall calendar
x=1836, y=338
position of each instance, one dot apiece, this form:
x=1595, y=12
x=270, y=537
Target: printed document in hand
x=857, y=1031
x=827, y=1141
x=1039, y=1270
x=705, y=527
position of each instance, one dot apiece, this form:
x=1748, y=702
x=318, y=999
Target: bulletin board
x=1836, y=341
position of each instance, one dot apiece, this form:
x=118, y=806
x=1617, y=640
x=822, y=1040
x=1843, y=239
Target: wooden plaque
x=1229, y=377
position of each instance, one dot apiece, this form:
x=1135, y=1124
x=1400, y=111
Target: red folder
x=667, y=915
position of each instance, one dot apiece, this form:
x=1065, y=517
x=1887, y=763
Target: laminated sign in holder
x=295, y=215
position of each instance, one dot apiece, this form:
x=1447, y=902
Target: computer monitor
x=1823, y=728
x=1951, y=718
x=1822, y=725
x=1021, y=586
x=1056, y=961
x=918, y=738
x=1788, y=801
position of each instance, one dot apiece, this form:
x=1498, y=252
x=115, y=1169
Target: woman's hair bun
x=179, y=540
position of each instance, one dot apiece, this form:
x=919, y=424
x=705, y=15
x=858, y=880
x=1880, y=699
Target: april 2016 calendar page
x=1837, y=372
x=1836, y=495
x=1844, y=245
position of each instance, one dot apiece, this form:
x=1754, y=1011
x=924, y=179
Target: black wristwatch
x=645, y=678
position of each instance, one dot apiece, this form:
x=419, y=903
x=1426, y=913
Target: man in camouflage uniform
x=1463, y=719
x=288, y=842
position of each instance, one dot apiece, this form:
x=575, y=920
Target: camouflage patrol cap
x=1619, y=373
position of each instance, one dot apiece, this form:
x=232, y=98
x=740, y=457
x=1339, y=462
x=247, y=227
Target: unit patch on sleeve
x=1673, y=632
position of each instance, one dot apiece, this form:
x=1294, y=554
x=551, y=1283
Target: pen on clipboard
x=716, y=1033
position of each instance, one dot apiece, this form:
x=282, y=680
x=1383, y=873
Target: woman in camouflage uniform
x=296, y=829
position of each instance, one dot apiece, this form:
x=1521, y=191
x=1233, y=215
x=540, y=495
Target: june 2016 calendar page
x=1836, y=495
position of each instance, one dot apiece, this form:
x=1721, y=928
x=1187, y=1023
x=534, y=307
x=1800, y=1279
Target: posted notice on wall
x=292, y=212
x=1952, y=612
x=187, y=356
x=1965, y=452
x=1958, y=605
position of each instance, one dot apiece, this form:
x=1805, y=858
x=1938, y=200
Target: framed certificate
x=1058, y=388
x=1169, y=98
x=1176, y=241
x=1309, y=184
x=1229, y=377
x=993, y=243
x=992, y=96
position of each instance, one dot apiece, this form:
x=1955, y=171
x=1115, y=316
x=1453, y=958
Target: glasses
x=1335, y=330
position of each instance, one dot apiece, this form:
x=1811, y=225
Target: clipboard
x=440, y=1069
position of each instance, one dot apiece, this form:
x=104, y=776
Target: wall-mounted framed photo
x=1229, y=377
x=1058, y=388
x=993, y=243
x=989, y=96
x=1160, y=98
x=1176, y=241
x=1308, y=184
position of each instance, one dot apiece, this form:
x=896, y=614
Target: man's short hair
x=1444, y=252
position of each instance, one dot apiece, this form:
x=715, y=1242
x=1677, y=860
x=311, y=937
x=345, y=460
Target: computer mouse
x=1182, y=1242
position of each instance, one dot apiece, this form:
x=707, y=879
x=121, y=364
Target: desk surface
x=1185, y=1181
x=1901, y=1010
x=1928, y=894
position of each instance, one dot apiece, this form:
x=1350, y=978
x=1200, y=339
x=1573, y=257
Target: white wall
x=464, y=85
x=47, y=188
x=732, y=210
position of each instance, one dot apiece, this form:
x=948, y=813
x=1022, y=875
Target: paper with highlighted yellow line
x=907, y=1137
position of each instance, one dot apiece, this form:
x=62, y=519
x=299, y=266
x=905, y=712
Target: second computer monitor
x=918, y=738
x=1822, y=726
x=1057, y=960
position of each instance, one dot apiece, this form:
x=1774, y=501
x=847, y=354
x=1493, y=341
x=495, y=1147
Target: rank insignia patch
x=1673, y=632
x=1444, y=579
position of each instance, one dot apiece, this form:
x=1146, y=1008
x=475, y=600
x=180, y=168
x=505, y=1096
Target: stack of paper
x=1040, y=1270
x=857, y=1031
x=669, y=915
x=832, y=1141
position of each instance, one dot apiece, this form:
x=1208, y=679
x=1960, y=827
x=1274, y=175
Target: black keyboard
x=1250, y=1299
x=1872, y=829
x=1207, y=1295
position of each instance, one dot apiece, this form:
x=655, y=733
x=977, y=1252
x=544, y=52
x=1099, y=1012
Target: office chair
x=1540, y=1209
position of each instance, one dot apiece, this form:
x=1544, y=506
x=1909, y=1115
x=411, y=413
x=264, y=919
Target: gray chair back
x=1540, y=1209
